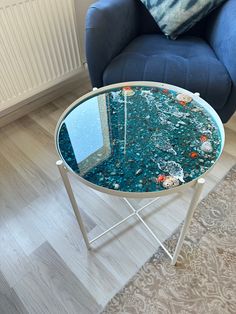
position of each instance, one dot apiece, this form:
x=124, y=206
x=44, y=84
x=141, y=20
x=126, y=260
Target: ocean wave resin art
x=139, y=139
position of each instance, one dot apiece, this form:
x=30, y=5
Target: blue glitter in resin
x=125, y=139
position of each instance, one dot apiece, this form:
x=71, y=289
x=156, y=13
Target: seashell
x=207, y=147
x=203, y=138
x=165, y=91
x=184, y=98
x=193, y=154
x=160, y=178
x=128, y=91
x=170, y=182
x=116, y=186
x=138, y=172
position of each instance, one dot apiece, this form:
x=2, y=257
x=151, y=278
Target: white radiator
x=38, y=47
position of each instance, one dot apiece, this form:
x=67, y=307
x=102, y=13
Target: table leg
x=66, y=181
x=198, y=189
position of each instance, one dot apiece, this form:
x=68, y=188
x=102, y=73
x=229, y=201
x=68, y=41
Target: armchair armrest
x=221, y=35
x=110, y=26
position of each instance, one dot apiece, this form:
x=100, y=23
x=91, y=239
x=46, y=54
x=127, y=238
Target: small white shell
x=183, y=97
x=170, y=182
x=116, y=186
x=138, y=172
x=207, y=147
x=196, y=110
x=128, y=92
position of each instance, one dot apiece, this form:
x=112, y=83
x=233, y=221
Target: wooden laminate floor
x=44, y=264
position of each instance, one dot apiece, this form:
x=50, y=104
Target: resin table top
x=140, y=138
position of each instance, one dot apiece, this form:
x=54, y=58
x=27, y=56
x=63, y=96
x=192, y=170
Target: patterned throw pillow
x=176, y=16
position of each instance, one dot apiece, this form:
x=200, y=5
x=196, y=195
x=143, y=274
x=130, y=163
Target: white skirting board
x=46, y=96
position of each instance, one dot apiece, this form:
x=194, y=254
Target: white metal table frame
x=197, y=184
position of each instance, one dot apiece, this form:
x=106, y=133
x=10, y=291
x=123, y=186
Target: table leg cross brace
x=135, y=212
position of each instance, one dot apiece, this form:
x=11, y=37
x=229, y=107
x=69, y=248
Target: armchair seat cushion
x=188, y=62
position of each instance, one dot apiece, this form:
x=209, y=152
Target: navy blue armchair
x=123, y=43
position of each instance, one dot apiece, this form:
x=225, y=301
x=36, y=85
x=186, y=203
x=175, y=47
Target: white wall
x=81, y=9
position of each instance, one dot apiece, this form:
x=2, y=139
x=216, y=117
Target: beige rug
x=204, y=280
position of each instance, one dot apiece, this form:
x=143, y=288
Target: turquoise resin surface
x=139, y=139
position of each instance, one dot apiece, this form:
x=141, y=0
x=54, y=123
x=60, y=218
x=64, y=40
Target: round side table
x=139, y=140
